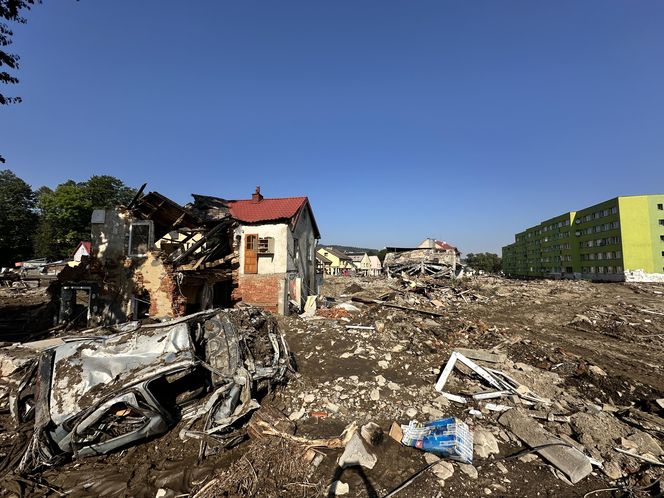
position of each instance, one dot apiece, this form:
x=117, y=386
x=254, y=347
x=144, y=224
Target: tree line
x=49, y=223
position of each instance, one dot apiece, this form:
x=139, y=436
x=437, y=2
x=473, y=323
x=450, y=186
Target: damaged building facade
x=155, y=258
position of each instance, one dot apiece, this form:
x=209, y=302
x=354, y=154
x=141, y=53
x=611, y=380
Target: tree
x=17, y=218
x=66, y=211
x=10, y=11
x=486, y=261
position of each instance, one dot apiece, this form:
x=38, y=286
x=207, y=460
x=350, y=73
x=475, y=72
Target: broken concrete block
x=356, y=454
x=443, y=470
x=484, y=443
x=431, y=458
x=596, y=370
x=338, y=488
x=570, y=461
x=468, y=469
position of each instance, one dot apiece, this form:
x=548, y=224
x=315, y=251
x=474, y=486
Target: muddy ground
x=593, y=350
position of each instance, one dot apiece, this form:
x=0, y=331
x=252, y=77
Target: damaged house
x=155, y=258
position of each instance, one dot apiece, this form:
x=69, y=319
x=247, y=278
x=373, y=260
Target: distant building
x=361, y=262
x=376, y=266
x=340, y=264
x=621, y=239
x=84, y=249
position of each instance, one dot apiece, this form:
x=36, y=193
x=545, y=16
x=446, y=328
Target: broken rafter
x=201, y=241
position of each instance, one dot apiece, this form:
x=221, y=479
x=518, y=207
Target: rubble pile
x=406, y=386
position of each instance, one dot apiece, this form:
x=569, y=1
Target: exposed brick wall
x=259, y=290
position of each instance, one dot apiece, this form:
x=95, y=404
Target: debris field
x=558, y=383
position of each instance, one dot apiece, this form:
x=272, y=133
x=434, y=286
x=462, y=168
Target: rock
x=645, y=443
x=384, y=364
x=356, y=454
x=393, y=386
x=333, y=407
x=443, y=470
x=411, y=412
x=309, y=398
x=338, y=488
x=398, y=348
x=161, y=493
x=375, y=394
x=596, y=370
x=380, y=380
x=379, y=326
x=297, y=415
x=529, y=457
x=372, y=433
x=501, y=467
x=469, y=470
x=612, y=470
x=431, y=458
x=484, y=443
x=486, y=491
x=523, y=366
x=441, y=401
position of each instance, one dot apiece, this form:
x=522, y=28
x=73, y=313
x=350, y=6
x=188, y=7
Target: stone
x=375, y=394
x=612, y=470
x=393, y=386
x=356, y=454
x=487, y=491
x=431, y=458
x=380, y=380
x=501, y=467
x=596, y=371
x=384, y=364
x=484, y=443
x=468, y=469
x=333, y=407
x=379, y=326
x=338, y=488
x=411, y=412
x=573, y=463
x=443, y=470
x=297, y=415
x=645, y=443
x=441, y=401
x=398, y=348
x=372, y=433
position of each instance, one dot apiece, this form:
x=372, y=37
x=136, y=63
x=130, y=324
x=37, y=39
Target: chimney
x=256, y=196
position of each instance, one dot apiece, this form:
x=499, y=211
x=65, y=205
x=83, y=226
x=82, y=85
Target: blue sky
x=465, y=121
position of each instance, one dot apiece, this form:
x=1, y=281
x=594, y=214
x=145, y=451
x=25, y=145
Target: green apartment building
x=621, y=239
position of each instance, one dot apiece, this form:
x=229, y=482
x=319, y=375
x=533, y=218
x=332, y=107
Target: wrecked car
x=96, y=394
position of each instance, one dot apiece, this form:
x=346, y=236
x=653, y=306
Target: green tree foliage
x=65, y=212
x=10, y=12
x=486, y=261
x=17, y=218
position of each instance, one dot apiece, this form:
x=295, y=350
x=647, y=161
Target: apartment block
x=621, y=239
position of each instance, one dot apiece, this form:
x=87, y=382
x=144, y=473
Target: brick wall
x=259, y=290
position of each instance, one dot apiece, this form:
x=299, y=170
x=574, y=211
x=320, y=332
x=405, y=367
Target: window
x=140, y=238
x=266, y=245
x=660, y=207
x=661, y=222
x=616, y=224
x=614, y=210
x=661, y=237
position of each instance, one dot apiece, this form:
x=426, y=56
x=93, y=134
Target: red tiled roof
x=250, y=211
x=441, y=244
x=86, y=244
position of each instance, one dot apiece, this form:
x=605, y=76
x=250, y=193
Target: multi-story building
x=621, y=239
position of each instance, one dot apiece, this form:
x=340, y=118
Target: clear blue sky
x=465, y=121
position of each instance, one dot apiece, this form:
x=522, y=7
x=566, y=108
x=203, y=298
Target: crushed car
x=119, y=386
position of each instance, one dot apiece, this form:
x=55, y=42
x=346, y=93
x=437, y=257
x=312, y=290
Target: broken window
x=266, y=245
x=140, y=238
x=75, y=302
x=660, y=207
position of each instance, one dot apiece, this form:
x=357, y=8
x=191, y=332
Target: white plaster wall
x=276, y=263
x=642, y=276
x=108, y=238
